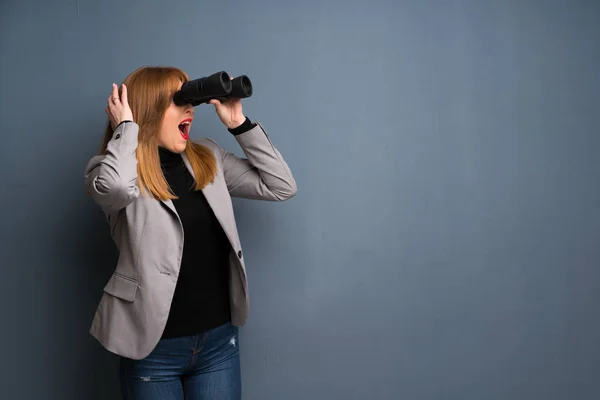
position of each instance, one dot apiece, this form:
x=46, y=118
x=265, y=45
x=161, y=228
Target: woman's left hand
x=229, y=112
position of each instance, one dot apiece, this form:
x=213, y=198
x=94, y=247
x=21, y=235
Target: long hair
x=150, y=91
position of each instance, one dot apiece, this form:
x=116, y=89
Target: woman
x=172, y=308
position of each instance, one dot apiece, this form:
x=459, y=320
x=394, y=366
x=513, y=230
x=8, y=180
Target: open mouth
x=184, y=128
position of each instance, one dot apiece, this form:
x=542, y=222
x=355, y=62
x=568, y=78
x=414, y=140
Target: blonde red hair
x=150, y=92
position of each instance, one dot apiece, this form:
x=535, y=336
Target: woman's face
x=175, y=128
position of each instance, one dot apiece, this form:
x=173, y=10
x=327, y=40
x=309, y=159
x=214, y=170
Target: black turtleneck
x=201, y=299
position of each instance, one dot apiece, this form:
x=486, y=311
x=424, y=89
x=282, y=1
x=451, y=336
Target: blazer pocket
x=122, y=287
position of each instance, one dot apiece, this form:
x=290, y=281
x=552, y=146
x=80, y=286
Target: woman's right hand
x=118, y=109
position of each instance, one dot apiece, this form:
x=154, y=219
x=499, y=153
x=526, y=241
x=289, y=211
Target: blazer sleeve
x=263, y=174
x=111, y=178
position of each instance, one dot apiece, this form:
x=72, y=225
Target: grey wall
x=444, y=243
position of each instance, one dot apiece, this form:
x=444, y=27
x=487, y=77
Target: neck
x=168, y=158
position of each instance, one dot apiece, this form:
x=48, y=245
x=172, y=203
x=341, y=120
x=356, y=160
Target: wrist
x=237, y=122
x=243, y=128
x=121, y=123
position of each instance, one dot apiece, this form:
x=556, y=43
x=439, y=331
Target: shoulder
x=210, y=144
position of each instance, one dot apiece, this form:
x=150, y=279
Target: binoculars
x=218, y=86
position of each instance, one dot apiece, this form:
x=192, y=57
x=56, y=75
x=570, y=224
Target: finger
x=215, y=102
x=108, y=113
x=110, y=118
x=112, y=108
x=115, y=94
x=124, y=94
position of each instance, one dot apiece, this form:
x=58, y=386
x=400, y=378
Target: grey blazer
x=148, y=233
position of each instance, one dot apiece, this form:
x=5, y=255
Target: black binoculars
x=218, y=86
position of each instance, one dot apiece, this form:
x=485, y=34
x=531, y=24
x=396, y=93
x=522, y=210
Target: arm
x=111, y=179
x=263, y=174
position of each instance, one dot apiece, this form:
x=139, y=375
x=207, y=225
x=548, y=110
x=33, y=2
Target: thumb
x=215, y=103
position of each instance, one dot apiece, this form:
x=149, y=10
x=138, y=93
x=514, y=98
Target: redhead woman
x=173, y=306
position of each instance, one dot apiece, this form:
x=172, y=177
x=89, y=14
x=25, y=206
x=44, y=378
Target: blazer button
x=118, y=135
x=240, y=254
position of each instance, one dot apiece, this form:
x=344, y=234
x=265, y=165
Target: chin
x=180, y=147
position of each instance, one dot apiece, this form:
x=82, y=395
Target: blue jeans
x=199, y=367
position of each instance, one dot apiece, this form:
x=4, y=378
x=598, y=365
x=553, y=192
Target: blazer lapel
x=171, y=206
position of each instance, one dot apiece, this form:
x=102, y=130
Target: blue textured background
x=445, y=239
